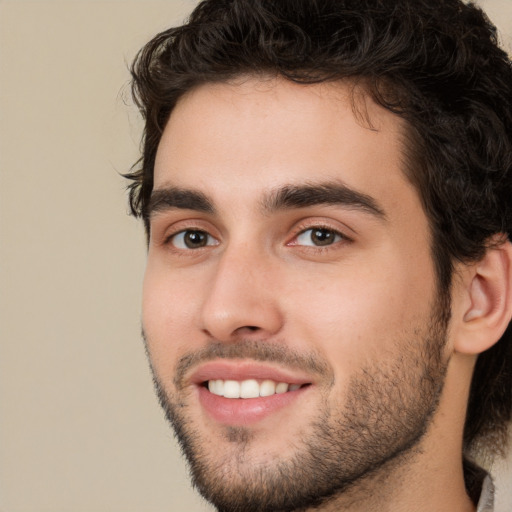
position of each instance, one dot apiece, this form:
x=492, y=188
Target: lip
x=245, y=411
x=243, y=370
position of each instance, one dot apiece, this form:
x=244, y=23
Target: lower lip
x=244, y=411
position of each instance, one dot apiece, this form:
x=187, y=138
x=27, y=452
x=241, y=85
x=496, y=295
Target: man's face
x=289, y=262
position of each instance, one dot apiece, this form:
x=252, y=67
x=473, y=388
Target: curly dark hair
x=435, y=63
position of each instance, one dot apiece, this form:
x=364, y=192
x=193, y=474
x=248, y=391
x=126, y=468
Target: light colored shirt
x=486, y=501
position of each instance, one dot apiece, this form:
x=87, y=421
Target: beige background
x=80, y=429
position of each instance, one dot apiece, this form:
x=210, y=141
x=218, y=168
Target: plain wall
x=80, y=428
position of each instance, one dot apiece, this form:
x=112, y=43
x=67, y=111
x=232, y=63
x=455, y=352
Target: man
x=326, y=192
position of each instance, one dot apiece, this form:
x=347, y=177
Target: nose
x=242, y=300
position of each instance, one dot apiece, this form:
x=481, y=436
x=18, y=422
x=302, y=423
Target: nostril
x=247, y=328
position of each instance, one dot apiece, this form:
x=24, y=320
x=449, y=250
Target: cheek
x=356, y=315
x=168, y=313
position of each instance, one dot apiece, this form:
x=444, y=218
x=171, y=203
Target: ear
x=487, y=304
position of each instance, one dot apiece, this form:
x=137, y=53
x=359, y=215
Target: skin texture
x=359, y=320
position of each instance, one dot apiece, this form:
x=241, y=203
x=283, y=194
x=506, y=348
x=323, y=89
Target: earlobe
x=489, y=289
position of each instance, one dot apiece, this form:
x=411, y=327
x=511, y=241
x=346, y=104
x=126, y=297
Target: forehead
x=256, y=135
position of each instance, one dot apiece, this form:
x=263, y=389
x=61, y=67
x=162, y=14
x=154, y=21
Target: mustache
x=261, y=351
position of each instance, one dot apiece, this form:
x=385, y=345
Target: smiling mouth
x=250, y=388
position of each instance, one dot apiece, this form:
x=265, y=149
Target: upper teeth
x=250, y=388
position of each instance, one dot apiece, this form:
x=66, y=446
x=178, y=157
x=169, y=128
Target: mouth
x=242, y=393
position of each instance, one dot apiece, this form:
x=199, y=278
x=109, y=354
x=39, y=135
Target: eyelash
x=173, y=236
x=339, y=237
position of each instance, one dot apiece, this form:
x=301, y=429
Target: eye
x=318, y=237
x=192, y=239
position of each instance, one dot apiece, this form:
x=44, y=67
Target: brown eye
x=322, y=236
x=192, y=239
x=318, y=237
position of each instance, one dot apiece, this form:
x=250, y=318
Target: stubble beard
x=385, y=412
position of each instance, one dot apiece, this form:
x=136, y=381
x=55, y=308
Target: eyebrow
x=333, y=193
x=178, y=198
x=287, y=197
